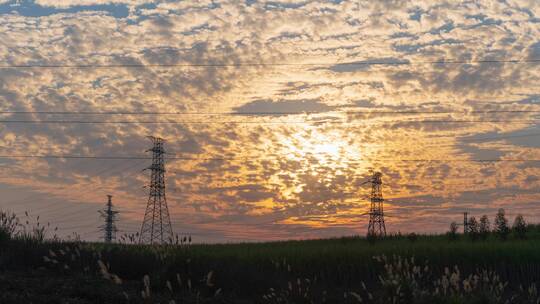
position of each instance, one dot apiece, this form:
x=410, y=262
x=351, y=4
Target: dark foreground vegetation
x=449, y=268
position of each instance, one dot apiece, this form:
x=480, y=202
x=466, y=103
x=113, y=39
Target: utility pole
x=465, y=223
x=376, y=226
x=156, y=227
x=109, y=228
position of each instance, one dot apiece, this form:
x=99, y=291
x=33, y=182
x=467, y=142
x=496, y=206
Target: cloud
x=365, y=64
x=531, y=99
x=248, y=177
x=282, y=106
x=534, y=51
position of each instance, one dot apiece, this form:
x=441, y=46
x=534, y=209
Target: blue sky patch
x=31, y=9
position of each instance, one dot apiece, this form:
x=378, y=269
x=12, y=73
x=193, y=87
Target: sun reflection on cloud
x=294, y=173
x=314, y=143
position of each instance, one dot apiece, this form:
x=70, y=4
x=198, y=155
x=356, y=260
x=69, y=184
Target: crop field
x=398, y=269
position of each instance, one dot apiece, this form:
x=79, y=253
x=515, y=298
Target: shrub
x=33, y=231
x=452, y=233
x=371, y=238
x=8, y=226
x=412, y=237
x=405, y=281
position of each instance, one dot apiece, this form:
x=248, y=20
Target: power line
x=279, y=113
x=251, y=158
x=264, y=64
x=468, y=140
x=105, y=157
x=54, y=211
x=94, y=189
x=129, y=157
x=46, y=209
x=77, y=227
x=256, y=122
x=463, y=141
x=69, y=220
x=26, y=200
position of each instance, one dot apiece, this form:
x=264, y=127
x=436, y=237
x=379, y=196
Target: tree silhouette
x=520, y=227
x=484, y=227
x=501, y=225
x=473, y=228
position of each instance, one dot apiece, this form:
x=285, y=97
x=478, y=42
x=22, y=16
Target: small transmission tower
x=109, y=215
x=376, y=226
x=465, y=223
x=156, y=227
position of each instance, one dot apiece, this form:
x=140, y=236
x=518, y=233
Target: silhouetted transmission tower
x=156, y=227
x=376, y=226
x=109, y=228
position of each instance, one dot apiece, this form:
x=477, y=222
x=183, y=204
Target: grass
x=343, y=270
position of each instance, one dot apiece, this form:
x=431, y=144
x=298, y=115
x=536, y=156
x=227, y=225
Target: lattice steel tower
x=109, y=228
x=376, y=226
x=156, y=227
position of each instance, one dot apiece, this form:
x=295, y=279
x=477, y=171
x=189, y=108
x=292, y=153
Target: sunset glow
x=274, y=112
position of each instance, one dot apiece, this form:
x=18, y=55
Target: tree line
x=481, y=229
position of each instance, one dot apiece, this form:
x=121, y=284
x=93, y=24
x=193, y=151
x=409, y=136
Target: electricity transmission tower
x=156, y=227
x=109, y=215
x=376, y=226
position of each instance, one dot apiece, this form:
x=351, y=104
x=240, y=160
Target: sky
x=279, y=111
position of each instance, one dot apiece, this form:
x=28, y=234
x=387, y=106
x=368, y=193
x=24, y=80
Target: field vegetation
x=500, y=265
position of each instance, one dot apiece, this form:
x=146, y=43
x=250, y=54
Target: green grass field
x=429, y=269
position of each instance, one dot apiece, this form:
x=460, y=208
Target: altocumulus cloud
x=271, y=177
